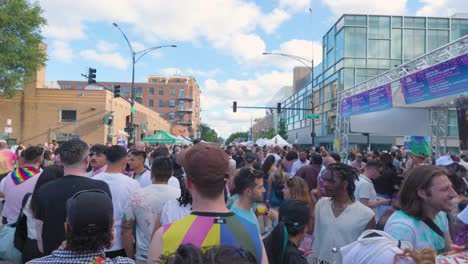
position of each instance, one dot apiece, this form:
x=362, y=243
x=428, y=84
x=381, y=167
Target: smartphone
x=306, y=244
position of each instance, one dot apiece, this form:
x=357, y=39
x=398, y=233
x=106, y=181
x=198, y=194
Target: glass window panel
x=437, y=38
x=397, y=21
x=348, y=78
x=339, y=45
x=384, y=64
x=379, y=27
x=384, y=49
x=151, y=103
x=151, y=91
x=360, y=62
x=459, y=28
x=349, y=62
x=373, y=48
x=340, y=24
x=415, y=43
x=355, y=20
x=361, y=40
x=396, y=43
x=438, y=23
x=373, y=63
x=415, y=22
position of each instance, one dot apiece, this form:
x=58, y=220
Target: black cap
x=294, y=213
x=90, y=209
x=250, y=156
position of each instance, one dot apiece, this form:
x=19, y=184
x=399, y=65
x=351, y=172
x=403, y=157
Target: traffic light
x=278, y=108
x=116, y=91
x=234, y=106
x=91, y=76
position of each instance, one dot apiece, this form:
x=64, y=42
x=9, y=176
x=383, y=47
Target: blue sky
x=220, y=43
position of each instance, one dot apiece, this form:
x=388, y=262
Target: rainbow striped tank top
x=204, y=230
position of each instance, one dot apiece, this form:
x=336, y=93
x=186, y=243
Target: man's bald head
x=328, y=160
x=140, y=146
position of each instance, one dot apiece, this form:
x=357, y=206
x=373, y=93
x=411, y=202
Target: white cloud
x=340, y=7
x=440, y=7
x=111, y=59
x=190, y=72
x=272, y=21
x=161, y=21
x=295, y=5
x=61, y=51
x=104, y=46
x=217, y=97
x=302, y=48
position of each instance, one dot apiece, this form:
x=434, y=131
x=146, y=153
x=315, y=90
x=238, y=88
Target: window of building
x=355, y=21
x=110, y=87
x=68, y=116
x=126, y=90
x=397, y=22
x=355, y=42
x=442, y=23
x=379, y=27
x=171, y=116
x=68, y=86
x=459, y=28
x=151, y=103
x=379, y=48
x=154, y=81
x=173, y=91
x=415, y=43
x=181, y=104
x=452, y=123
x=396, y=43
x=181, y=116
x=151, y=91
x=138, y=100
x=79, y=87
x=182, y=92
x=339, y=45
x=437, y=38
x=161, y=115
x=172, y=103
x=138, y=92
x=160, y=103
x=415, y=22
x=161, y=91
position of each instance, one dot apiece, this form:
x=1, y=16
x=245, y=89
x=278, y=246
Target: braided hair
x=346, y=173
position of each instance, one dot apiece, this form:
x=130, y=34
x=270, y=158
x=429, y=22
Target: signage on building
x=441, y=80
x=373, y=100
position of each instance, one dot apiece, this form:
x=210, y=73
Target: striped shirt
x=204, y=230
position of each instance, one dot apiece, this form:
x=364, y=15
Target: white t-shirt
x=145, y=180
x=121, y=187
x=335, y=232
x=172, y=211
x=365, y=190
x=143, y=207
x=404, y=227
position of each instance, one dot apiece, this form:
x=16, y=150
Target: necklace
x=339, y=208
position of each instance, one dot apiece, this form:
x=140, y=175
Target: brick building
x=176, y=99
x=40, y=114
x=262, y=125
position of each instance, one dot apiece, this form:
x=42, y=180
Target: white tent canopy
x=261, y=141
x=277, y=140
x=184, y=140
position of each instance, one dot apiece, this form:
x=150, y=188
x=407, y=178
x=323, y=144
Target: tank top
x=204, y=230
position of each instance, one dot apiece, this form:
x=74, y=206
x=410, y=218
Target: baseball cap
x=204, y=163
x=90, y=209
x=444, y=161
x=294, y=213
x=250, y=156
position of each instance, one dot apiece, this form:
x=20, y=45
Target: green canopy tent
x=162, y=137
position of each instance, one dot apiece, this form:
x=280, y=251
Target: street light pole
x=134, y=61
x=310, y=65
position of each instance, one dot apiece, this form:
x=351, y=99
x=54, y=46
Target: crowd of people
x=205, y=203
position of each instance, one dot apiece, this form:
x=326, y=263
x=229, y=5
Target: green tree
x=207, y=134
x=21, y=53
x=269, y=134
x=237, y=135
x=282, y=129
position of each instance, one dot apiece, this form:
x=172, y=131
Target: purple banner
x=373, y=100
x=443, y=79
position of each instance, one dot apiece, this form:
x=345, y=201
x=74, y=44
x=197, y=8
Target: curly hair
x=89, y=239
x=346, y=173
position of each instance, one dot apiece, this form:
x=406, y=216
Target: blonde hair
x=423, y=256
x=298, y=189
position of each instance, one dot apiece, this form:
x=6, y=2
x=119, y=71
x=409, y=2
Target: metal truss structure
x=439, y=114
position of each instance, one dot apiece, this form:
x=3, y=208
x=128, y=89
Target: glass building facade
x=356, y=48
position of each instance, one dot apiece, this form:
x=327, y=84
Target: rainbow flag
x=23, y=174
